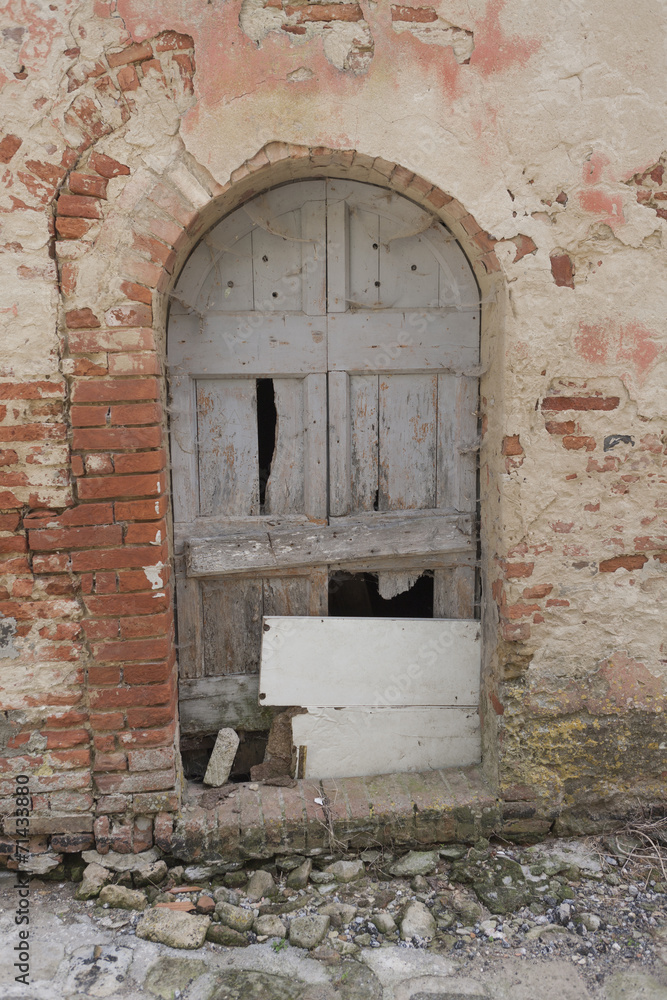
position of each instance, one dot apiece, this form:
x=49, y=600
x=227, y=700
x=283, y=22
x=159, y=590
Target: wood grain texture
x=417, y=340
x=228, y=449
x=252, y=344
x=231, y=626
x=364, y=439
x=408, y=407
x=207, y=704
x=183, y=439
x=339, y=444
x=285, y=486
x=454, y=592
x=315, y=466
x=457, y=438
x=292, y=547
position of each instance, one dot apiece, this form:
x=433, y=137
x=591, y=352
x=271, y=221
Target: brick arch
x=114, y=538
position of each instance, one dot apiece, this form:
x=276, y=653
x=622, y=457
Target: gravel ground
x=573, y=919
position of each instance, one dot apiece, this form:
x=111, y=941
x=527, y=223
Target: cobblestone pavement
x=564, y=920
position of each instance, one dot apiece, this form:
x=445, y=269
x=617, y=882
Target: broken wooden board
x=207, y=704
x=345, y=662
x=333, y=546
x=352, y=742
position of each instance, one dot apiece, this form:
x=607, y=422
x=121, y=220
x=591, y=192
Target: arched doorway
x=322, y=343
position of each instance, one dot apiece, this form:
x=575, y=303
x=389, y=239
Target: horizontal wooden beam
x=288, y=548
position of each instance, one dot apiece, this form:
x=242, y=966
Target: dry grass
x=642, y=847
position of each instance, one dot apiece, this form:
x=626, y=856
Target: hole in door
x=357, y=595
x=267, y=422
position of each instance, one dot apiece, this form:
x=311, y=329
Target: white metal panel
x=351, y=742
x=347, y=662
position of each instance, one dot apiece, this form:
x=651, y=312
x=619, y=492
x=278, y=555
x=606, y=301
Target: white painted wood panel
x=337, y=254
x=409, y=271
x=276, y=265
x=314, y=258
x=354, y=742
x=419, y=340
x=408, y=407
x=346, y=662
x=228, y=450
x=256, y=344
x=363, y=265
x=289, y=548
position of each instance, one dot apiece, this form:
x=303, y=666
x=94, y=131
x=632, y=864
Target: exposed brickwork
x=83, y=456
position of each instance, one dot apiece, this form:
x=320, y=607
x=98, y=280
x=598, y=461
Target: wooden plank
x=318, y=595
x=409, y=271
x=291, y=547
x=363, y=443
x=183, y=438
x=363, y=257
x=393, y=341
x=286, y=595
x=457, y=437
x=407, y=453
x=337, y=255
x=454, y=592
x=315, y=446
x=207, y=704
x=228, y=450
x=314, y=258
x=285, y=486
x=349, y=662
x=400, y=217
x=224, y=255
x=231, y=626
x=252, y=344
x=352, y=742
x=276, y=263
x=188, y=605
x=339, y=444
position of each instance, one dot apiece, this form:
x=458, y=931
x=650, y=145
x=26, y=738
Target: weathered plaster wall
x=123, y=124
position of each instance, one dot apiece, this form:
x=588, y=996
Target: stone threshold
x=406, y=810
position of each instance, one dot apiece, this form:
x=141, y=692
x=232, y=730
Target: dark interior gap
x=357, y=595
x=196, y=752
x=267, y=423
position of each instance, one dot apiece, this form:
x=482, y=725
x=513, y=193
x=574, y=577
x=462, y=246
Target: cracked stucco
x=538, y=132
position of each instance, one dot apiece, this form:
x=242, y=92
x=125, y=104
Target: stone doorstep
x=258, y=821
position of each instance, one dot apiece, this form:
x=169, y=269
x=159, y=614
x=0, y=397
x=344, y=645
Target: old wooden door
x=323, y=343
